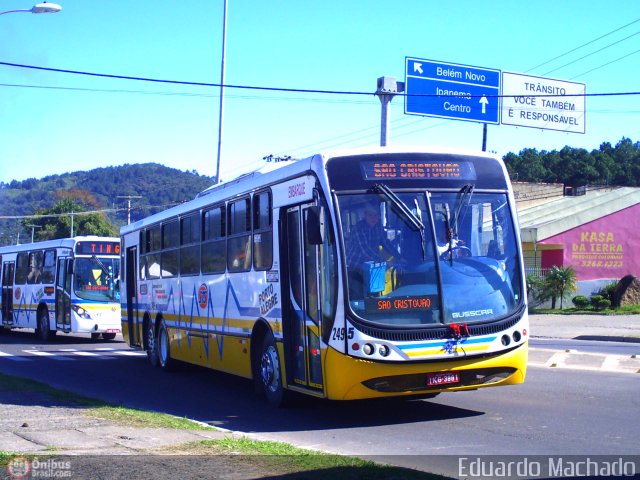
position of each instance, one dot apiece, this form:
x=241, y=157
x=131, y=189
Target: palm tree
x=561, y=282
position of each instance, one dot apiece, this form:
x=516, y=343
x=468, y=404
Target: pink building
x=598, y=234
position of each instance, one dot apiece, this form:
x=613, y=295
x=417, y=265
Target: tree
x=560, y=282
x=58, y=224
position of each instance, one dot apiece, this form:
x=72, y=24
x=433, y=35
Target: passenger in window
x=34, y=274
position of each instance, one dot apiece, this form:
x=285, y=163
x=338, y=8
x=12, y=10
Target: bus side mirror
x=315, y=225
x=70, y=268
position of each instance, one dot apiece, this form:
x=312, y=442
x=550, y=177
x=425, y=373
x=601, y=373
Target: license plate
x=446, y=378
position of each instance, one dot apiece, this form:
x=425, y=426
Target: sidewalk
x=616, y=328
x=36, y=423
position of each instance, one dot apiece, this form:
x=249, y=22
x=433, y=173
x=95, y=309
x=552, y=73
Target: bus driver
x=367, y=242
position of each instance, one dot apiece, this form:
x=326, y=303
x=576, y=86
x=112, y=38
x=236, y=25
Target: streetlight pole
x=221, y=111
x=38, y=8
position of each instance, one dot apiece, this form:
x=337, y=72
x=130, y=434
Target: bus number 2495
x=339, y=333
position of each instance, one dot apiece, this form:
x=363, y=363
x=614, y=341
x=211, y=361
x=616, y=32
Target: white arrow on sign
x=417, y=67
x=484, y=102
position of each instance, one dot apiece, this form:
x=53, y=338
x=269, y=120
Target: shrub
x=607, y=291
x=599, y=302
x=580, y=301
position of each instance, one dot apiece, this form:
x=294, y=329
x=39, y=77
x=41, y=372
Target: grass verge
x=280, y=458
x=271, y=458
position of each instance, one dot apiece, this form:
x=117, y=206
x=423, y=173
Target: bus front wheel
x=270, y=373
x=152, y=344
x=42, y=330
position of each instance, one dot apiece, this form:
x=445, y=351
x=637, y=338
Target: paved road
x=580, y=385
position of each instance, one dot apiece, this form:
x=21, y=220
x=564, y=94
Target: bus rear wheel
x=270, y=373
x=108, y=336
x=164, y=348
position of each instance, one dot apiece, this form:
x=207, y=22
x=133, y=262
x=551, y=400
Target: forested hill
x=617, y=165
x=158, y=186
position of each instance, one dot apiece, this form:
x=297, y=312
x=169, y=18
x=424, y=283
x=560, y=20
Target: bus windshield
x=97, y=278
x=418, y=259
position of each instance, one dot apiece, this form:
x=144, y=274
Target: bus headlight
x=367, y=349
x=384, y=350
x=80, y=311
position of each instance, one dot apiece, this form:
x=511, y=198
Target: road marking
x=576, y=360
x=54, y=356
x=14, y=358
x=66, y=354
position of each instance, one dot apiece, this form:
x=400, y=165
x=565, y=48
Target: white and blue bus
x=266, y=277
x=68, y=285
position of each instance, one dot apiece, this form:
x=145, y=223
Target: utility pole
x=129, y=197
x=387, y=89
x=222, y=71
x=33, y=227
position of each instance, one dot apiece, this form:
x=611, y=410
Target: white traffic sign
x=546, y=103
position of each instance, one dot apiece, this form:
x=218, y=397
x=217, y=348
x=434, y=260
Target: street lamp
x=39, y=8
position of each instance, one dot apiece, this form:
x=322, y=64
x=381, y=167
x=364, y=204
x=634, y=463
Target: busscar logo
x=472, y=313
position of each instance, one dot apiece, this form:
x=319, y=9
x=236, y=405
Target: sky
x=53, y=123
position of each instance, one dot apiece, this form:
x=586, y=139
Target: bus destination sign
x=431, y=170
x=98, y=248
x=407, y=303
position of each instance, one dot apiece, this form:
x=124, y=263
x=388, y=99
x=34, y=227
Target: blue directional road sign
x=450, y=90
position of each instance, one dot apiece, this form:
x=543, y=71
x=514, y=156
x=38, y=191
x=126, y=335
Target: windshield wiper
x=415, y=222
x=464, y=198
x=102, y=266
x=403, y=209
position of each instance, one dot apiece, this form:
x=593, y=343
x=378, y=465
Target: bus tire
x=164, y=348
x=270, y=373
x=95, y=335
x=152, y=344
x=108, y=336
x=42, y=331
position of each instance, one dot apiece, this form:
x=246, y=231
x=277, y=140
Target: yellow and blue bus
x=67, y=285
x=267, y=277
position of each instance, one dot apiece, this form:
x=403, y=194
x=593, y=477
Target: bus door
x=301, y=314
x=7, y=292
x=132, y=295
x=64, y=272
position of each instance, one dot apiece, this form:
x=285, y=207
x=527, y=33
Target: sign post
x=450, y=90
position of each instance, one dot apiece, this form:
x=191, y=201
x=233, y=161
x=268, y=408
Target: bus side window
x=239, y=238
x=22, y=268
x=262, y=231
x=48, y=271
x=214, y=248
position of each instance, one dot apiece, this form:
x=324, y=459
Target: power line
x=592, y=53
x=281, y=89
x=584, y=45
x=605, y=64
